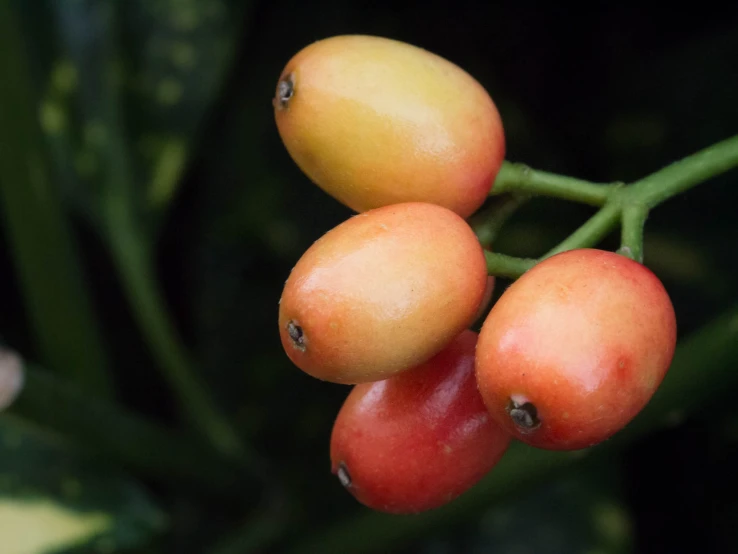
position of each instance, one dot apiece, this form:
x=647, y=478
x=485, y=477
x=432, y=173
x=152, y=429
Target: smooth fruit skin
x=382, y=292
x=575, y=348
x=374, y=121
x=420, y=439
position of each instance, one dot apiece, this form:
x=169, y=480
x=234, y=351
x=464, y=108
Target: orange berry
x=374, y=121
x=382, y=292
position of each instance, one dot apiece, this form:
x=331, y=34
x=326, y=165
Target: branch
x=592, y=232
x=519, y=178
x=507, y=266
x=634, y=218
x=685, y=174
x=627, y=204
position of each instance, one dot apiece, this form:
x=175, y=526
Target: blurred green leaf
x=179, y=54
x=131, y=74
x=127, y=88
x=54, y=499
x=64, y=326
x=134, y=441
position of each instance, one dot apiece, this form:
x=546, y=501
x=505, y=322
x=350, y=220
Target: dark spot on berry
x=525, y=416
x=296, y=334
x=285, y=91
x=343, y=475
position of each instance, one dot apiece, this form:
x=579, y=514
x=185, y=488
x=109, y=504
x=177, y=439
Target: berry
x=575, y=348
x=384, y=291
x=420, y=439
x=374, y=121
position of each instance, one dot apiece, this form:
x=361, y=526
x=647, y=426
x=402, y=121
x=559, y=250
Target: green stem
x=519, y=178
x=713, y=350
x=507, y=266
x=634, y=218
x=127, y=437
x=627, y=203
x=488, y=223
x=55, y=292
x=685, y=174
x=592, y=232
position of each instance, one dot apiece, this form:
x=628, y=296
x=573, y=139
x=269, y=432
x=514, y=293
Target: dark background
x=600, y=93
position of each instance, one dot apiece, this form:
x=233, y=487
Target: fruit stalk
x=633, y=221
x=520, y=178
x=503, y=265
x=627, y=204
x=488, y=222
x=591, y=232
x=684, y=174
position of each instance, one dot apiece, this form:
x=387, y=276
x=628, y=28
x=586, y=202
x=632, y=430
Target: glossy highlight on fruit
x=420, y=439
x=382, y=292
x=575, y=348
x=374, y=121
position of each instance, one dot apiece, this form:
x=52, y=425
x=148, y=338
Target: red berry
x=417, y=440
x=575, y=348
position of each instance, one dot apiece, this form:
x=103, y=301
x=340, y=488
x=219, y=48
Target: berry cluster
x=567, y=356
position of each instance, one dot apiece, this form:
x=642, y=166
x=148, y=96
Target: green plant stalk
x=128, y=438
x=55, y=293
x=713, y=350
x=633, y=220
x=519, y=178
x=622, y=203
x=488, y=223
x=684, y=174
x=591, y=232
x=507, y=266
x=651, y=190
